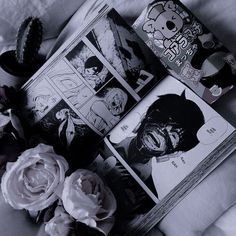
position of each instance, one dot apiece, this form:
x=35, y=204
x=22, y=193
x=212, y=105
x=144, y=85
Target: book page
x=91, y=83
x=132, y=200
x=168, y=140
x=105, y=88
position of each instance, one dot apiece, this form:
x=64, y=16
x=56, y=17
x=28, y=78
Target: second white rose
x=87, y=199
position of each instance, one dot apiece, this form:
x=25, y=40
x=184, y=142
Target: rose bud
x=60, y=224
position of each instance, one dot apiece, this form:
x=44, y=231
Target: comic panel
x=107, y=108
x=69, y=83
x=39, y=100
x=132, y=200
x=89, y=66
x=126, y=52
x=167, y=135
x=67, y=131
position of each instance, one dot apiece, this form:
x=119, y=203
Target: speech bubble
x=212, y=130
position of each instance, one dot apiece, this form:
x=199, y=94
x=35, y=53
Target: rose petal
x=59, y=225
x=88, y=200
x=32, y=181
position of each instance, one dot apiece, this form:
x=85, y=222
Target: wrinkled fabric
x=52, y=13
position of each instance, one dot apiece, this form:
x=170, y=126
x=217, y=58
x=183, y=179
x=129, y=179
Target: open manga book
x=104, y=100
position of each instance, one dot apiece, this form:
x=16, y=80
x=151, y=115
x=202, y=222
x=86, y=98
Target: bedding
x=225, y=225
x=52, y=13
x=210, y=208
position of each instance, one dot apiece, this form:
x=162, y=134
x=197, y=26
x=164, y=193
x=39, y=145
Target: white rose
x=60, y=224
x=88, y=200
x=33, y=181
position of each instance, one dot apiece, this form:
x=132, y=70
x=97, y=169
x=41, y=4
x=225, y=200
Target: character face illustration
x=158, y=140
x=92, y=66
x=165, y=129
x=41, y=102
x=116, y=100
x=62, y=114
x=163, y=21
x=168, y=24
x=91, y=71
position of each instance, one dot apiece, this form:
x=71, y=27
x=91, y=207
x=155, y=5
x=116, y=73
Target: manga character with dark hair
x=92, y=68
x=169, y=126
x=93, y=65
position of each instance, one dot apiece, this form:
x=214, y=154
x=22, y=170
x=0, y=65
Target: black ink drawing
x=108, y=106
x=68, y=123
x=69, y=83
x=164, y=132
x=106, y=111
x=79, y=95
x=126, y=52
x=69, y=134
x=89, y=66
x=40, y=100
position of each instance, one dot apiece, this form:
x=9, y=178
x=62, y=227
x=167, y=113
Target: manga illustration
x=190, y=51
x=108, y=107
x=105, y=102
x=125, y=51
x=89, y=66
x=39, y=101
x=164, y=135
x=67, y=131
x=68, y=82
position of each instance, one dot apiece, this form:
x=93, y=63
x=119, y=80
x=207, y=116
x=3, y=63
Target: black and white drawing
x=126, y=52
x=89, y=66
x=161, y=139
x=162, y=132
x=68, y=82
x=105, y=109
x=40, y=100
x=66, y=130
x=131, y=199
x=167, y=132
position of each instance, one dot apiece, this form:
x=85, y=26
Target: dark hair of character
x=93, y=62
x=179, y=112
